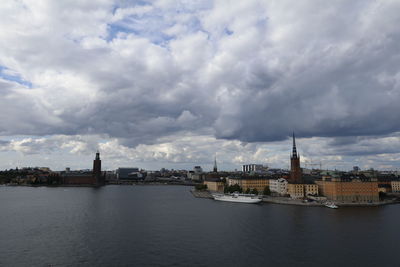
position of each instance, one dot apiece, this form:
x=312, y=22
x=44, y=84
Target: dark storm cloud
x=364, y=146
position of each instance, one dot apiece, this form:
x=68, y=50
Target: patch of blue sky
x=130, y=3
x=228, y=32
x=152, y=25
x=9, y=75
x=149, y=27
x=153, y=35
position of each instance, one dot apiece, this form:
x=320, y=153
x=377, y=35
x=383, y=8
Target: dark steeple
x=215, y=164
x=97, y=155
x=295, y=169
x=294, y=155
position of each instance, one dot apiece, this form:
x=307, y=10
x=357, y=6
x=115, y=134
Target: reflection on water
x=166, y=226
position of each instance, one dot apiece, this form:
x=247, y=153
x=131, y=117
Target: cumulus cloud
x=251, y=71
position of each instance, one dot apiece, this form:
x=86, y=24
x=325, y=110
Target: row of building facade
x=353, y=189
x=336, y=189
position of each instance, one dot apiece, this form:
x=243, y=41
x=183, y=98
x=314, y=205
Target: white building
x=254, y=168
x=197, y=169
x=279, y=186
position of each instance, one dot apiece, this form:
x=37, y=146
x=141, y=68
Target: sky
x=172, y=84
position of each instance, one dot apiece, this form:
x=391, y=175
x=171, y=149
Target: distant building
x=297, y=186
x=215, y=185
x=129, y=174
x=384, y=188
x=197, y=169
x=295, y=170
x=278, y=186
x=253, y=168
x=93, y=178
x=215, y=169
x=78, y=178
x=395, y=186
x=297, y=191
x=311, y=189
x=197, y=174
x=249, y=182
x=349, y=190
x=97, y=174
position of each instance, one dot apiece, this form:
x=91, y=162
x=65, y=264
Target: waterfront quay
x=301, y=202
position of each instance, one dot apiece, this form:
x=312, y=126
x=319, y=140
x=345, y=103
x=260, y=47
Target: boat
x=236, y=197
x=331, y=205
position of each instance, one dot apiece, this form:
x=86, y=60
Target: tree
x=201, y=187
x=248, y=191
x=254, y=191
x=233, y=188
x=266, y=191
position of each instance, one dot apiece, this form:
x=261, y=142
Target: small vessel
x=331, y=205
x=236, y=197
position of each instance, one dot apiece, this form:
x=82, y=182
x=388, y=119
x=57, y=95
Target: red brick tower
x=295, y=170
x=97, y=169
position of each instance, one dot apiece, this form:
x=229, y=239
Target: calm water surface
x=167, y=226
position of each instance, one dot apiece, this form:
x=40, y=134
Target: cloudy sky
x=170, y=84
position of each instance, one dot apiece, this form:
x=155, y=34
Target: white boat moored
x=331, y=205
x=236, y=197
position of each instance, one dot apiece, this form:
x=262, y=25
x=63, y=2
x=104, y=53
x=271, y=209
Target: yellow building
x=214, y=185
x=250, y=182
x=354, y=190
x=296, y=190
x=302, y=190
x=311, y=189
x=395, y=186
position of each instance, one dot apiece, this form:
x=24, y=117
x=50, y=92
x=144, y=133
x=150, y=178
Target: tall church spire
x=215, y=164
x=295, y=169
x=294, y=154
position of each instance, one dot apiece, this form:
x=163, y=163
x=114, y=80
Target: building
x=296, y=190
x=97, y=174
x=252, y=168
x=295, y=170
x=129, y=174
x=197, y=174
x=302, y=190
x=197, y=169
x=354, y=190
x=215, y=169
x=278, y=186
x=395, y=186
x=78, y=178
x=91, y=178
x=249, y=182
x=311, y=189
x=384, y=188
x=215, y=185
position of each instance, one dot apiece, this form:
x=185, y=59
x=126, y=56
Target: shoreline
x=207, y=194
x=297, y=202
x=89, y=185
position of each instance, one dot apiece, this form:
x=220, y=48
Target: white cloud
x=248, y=71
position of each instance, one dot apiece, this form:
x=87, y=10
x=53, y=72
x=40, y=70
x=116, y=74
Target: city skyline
x=172, y=84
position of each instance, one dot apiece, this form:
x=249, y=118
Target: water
x=167, y=226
